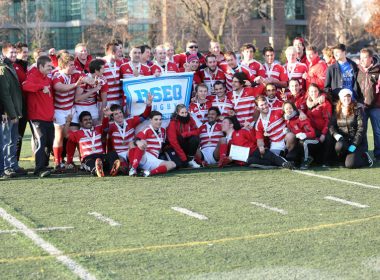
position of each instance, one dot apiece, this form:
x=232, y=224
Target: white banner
x=168, y=91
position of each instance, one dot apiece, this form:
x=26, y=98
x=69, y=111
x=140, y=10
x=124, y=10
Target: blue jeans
x=10, y=137
x=374, y=115
x=1, y=150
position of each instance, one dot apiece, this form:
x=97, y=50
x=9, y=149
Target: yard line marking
x=198, y=243
x=77, y=269
x=278, y=210
x=190, y=213
x=336, y=179
x=105, y=219
x=36, y=229
x=355, y=204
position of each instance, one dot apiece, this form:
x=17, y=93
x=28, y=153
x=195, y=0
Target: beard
x=184, y=119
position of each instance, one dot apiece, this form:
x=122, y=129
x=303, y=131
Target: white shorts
x=60, y=116
x=123, y=155
x=277, y=147
x=208, y=155
x=149, y=162
x=93, y=109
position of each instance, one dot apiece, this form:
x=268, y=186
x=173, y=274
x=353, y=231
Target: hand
x=46, y=90
x=304, y=76
x=80, y=82
x=52, y=51
x=149, y=100
x=301, y=136
x=302, y=116
x=141, y=144
x=107, y=111
x=247, y=125
x=338, y=137
x=322, y=138
x=157, y=73
x=321, y=99
x=284, y=96
x=258, y=80
x=69, y=118
x=262, y=150
x=187, y=67
x=4, y=118
x=352, y=148
x=89, y=80
x=247, y=83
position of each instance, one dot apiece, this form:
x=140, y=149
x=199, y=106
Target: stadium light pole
x=271, y=38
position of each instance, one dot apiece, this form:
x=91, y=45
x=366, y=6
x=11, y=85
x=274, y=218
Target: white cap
x=344, y=92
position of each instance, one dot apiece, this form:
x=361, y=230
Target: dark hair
x=177, y=109
x=341, y=47
x=270, y=84
x=291, y=104
x=367, y=51
x=19, y=46
x=233, y=120
x=216, y=109
x=219, y=83
x=111, y=46
x=210, y=56
x=241, y=76
x=248, y=46
x=96, y=65
x=230, y=53
x=268, y=49
x=144, y=47
x=315, y=86
x=155, y=113
x=260, y=98
x=311, y=48
x=42, y=60
x=294, y=79
x=84, y=114
x=116, y=107
x=200, y=86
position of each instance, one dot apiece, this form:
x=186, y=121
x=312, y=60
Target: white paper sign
x=239, y=153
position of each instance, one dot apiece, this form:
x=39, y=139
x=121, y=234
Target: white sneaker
x=146, y=173
x=132, y=172
x=193, y=164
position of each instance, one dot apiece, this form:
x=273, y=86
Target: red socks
x=136, y=157
x=57, y=151
x=159, y=170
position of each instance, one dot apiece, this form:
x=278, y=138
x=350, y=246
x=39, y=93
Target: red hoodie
x=317, y=73
x=40, y=105
x=320, y=116
x=295, y=125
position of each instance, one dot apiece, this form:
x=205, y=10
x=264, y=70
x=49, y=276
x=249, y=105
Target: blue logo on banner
x=160, y=94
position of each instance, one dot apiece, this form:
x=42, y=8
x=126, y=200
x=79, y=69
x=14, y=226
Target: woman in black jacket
x=347, y=129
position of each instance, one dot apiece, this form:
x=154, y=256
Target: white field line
x=75, y=268
x=190, y=213
x=355, y=204
x=36, y=229
x=278, y=210
x=336, y=179
x=105, y=219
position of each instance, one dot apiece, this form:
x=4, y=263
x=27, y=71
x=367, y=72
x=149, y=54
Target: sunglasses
x=193, y=47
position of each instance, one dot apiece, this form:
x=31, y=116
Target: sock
x=223, y=150
x=57, y=151
x=137, y=155
x=159, y=170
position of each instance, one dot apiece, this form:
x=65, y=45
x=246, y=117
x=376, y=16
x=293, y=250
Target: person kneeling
x=148, y=147
x=89, y=139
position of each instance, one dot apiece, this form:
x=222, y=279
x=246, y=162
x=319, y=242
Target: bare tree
x=39, y=31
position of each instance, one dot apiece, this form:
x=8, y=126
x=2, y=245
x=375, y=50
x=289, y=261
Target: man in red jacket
x=38, y=87
x=317, y=68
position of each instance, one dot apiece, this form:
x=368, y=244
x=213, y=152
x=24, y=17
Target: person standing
x=11, y=97
x=41, y=113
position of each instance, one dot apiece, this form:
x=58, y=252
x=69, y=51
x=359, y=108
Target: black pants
x=268, y=158
x=189, y=145
x=21, y=131
x=303, y=150
x=351, y=160
x=43, y=136
x=107, y=159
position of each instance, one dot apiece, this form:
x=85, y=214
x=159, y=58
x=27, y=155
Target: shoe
x=193, y=164
x=123, y=170
x=99, y=167
x=146, y=173
x=58, y=168
x=70, y=167
x=288, y=165
x=204, y=163
x=132, y=172
x=115, y=168
x=224, y=161
x=325, y=166
x=370, y=161
x=21, y=171
x=306, y=164
x=10, y=173
x=2, y=177
x=45, y=173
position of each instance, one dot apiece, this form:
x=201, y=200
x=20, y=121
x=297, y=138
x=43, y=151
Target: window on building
x=295, y=9
x=293, y=31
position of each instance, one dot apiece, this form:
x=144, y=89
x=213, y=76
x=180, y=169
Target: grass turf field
x=302, y=235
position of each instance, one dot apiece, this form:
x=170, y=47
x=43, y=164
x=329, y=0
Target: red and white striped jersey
x=229, y=73
x=271, y=126
x=93, y=98
x=224, y=104
x=89, y=140
x=209, y=78
x=121, y=135
x=256, y=67
x=210, y=134
x=198, y=112
x=65, y=100
x=295, y=71
x=244, y=104
x=154, y=139
x=169, y=67
x=275, y=71
x=112, y=74
x=126, y=70
x=275, y=103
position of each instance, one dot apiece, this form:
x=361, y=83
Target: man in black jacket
x=11, y=98
x=369, y=86
x=342, y=74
